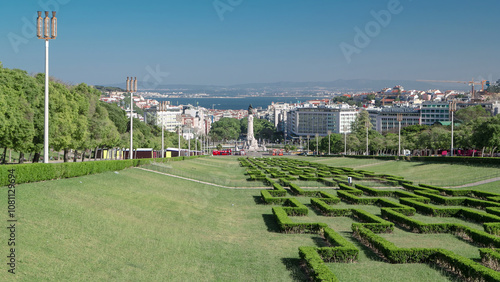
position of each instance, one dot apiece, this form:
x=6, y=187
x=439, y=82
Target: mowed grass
x=222, y=170
x=143, y=226
x=418, y=172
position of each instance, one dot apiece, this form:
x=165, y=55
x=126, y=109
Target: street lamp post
x=345, y=140
x=189, y=141
x=329, y=133
x=367, y=123
x=307, y=144
x=400, y=118
x=317, y=145
x=131, y=87
x=162, y=140
x=46, y=30
x=453, y=108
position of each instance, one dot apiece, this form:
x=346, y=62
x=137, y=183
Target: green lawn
x=137, y=225
x=222, y=170
x=142, y=226
x=418, y=172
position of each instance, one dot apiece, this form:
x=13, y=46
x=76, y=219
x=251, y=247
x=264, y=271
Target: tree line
x=234, y=129
x=475, y=129
x=77, y=119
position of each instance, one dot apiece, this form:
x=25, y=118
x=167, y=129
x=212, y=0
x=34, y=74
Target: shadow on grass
x=310, y=207
x=294, y=266
x=362, y=248
x=320, y=242
x=270, y=221
x=258, y=200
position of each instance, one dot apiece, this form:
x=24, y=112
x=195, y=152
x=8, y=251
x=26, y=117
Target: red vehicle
x=227, y=152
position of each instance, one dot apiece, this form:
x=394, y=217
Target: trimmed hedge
x=373, y=222
x=476, y=236
x=268, y=198
x=35, y=172
x=350, y=198
x=26, y=173
x=374, y=192
x=317, y=268
x=288, y=226
x=495, y=211
x=328, y=210
x=350, y=189
x=464, y=267
x=490, y=258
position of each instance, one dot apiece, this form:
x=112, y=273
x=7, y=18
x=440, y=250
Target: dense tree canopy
x=232, y=129
x=77, y=119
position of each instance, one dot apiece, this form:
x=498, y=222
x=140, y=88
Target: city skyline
x=224, y=42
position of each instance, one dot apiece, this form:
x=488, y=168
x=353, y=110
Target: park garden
x=264, y=219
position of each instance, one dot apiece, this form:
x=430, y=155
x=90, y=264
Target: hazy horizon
x=235, y=42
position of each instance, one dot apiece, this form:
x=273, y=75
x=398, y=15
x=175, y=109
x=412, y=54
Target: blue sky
x=246, y=41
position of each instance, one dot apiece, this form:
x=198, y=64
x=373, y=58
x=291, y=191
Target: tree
x=353, y=143
x=336, y=143
x=471, y=113
x=358, y=127
x=487, y=134
x=262, y=129
x=225, y=129
x=494, y=88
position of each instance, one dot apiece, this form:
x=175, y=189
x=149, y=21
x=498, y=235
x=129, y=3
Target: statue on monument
x=251, y=144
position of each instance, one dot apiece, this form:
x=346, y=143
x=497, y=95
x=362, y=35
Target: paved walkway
x=202, y=182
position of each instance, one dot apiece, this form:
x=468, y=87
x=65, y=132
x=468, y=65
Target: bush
x=318, y=270
x=26, y=173
x=270, y=199
x=287, y=226
x=374, y=192
x=328, y=210
x=348, y=197
x=490, y=258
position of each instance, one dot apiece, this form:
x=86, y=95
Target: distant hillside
x=353, y=85
x=108, y=88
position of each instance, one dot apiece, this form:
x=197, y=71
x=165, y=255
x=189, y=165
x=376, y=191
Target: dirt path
x=478, y=183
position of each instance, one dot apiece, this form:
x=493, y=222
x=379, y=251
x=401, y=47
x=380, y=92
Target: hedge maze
x=399, y=203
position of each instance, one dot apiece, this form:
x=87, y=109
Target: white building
x=168, y=116
x=320, y=120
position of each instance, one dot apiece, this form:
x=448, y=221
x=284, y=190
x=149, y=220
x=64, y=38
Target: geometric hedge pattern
x=398, y=207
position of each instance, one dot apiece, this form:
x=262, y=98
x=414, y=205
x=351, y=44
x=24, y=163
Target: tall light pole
x=307, y=144
x=453, y=108
x=317, y=145
x=189, y=141
x=131, y=88
x=46, y=29
x=329, y=133
x=162, y=140
x=345, y=140
x=400, y=118
x=179, y=141
x=367, y=123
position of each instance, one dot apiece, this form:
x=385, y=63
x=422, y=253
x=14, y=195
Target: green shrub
x=271, y=199
x=373, y=191
x=348, y=197
x=490, y=258
x=317, y=268
x=286, y=225
x=328, y=210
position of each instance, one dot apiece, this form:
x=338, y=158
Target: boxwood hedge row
x=26, y=173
